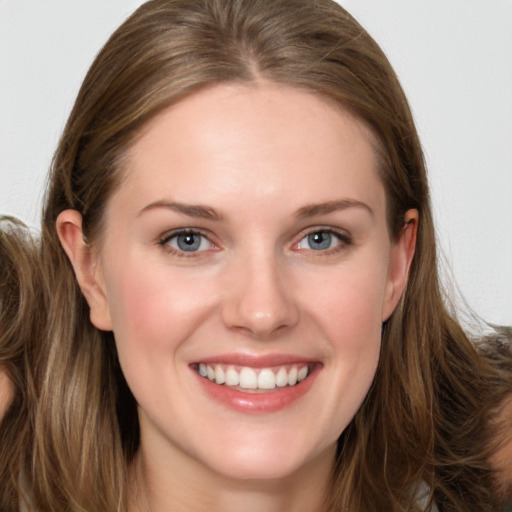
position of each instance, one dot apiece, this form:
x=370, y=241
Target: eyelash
x=164, y=242
x=344, y=239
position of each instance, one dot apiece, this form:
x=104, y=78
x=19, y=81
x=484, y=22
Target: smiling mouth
x=251, y=380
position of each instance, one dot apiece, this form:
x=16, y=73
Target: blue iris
x=320, y=240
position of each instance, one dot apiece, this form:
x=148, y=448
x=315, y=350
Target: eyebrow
x=192, y=210
x=330, y=207
x=206, y=212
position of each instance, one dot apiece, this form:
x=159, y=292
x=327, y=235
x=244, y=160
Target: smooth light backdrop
x=454, y=58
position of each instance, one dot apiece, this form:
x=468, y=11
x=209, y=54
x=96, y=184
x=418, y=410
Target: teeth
x=232, y=377
x=282, y=378
x=220, y=376
x=292, y=376
x=266, y=379
x=303, y=373
x=250, y=378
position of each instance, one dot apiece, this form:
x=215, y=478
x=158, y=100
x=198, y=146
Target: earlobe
x=84, y=261
x=402, y=253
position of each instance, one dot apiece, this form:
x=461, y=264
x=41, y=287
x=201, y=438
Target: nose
x=259, y=299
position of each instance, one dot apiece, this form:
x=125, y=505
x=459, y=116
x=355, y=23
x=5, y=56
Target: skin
x=6, y=392
x=257, y=155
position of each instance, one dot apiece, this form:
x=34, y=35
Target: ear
x=402, y=252
x=88, y=271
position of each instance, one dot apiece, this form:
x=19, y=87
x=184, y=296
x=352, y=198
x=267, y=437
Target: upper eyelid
x=165, y=237
x=343, y=233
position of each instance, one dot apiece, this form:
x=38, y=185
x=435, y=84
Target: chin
x=277, y=459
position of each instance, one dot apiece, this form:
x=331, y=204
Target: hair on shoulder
x=22, y=320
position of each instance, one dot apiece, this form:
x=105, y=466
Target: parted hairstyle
x=424, y=418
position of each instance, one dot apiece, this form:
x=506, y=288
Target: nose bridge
x=258, y=295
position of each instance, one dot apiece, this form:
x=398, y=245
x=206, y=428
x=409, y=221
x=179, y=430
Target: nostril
x=258, y=304
x=261, y=326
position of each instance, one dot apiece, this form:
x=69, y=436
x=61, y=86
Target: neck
x=156, y=488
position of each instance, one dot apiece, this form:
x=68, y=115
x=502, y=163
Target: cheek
x=353, y=325
x=154, y=308
x=137, y=306
x=347, y=309
x=153, y=314
x=349, y=305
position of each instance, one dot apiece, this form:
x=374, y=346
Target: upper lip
x=256, y=361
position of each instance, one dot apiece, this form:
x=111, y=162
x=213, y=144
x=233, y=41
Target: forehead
x=253, y=141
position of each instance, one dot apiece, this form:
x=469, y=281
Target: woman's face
x=245, y=269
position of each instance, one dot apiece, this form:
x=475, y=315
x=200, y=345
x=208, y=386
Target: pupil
x=320, y=240
x=188, y=242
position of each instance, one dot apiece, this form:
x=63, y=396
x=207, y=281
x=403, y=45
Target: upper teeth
x=250, y=378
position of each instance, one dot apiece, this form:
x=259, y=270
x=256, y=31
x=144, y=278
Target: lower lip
x=254, y=402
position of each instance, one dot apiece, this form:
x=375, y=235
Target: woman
x=244, y=305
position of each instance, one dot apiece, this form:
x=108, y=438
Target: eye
x=186, y=242
x=323, y=240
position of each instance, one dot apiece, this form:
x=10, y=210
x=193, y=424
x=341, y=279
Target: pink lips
x=257, y=401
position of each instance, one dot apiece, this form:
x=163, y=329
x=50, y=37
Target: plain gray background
x=454, y=58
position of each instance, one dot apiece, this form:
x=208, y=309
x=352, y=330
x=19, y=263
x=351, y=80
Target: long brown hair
x=422, y=420
x=21, y=287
